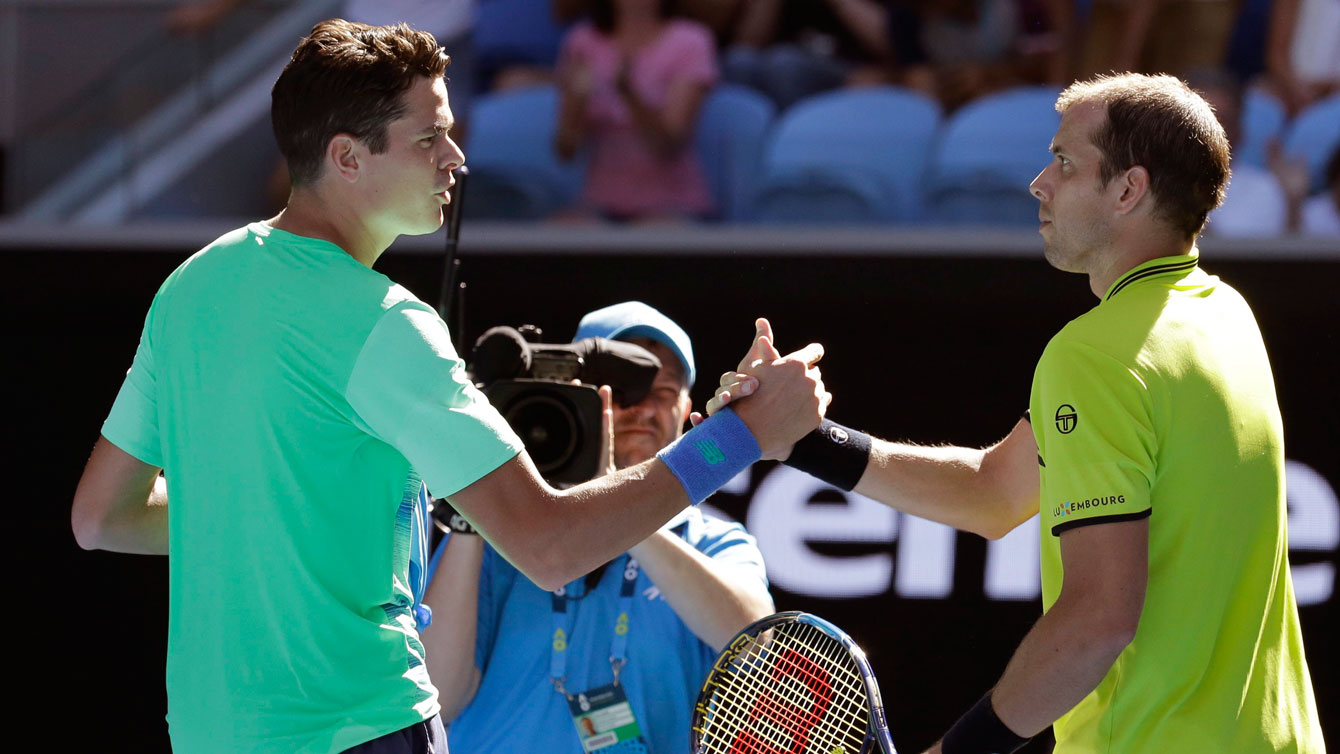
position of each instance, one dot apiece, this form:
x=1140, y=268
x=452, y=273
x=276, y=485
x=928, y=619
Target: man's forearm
x=554, y=537
x=703, y=593
x=1061, y=661
x=1073, y=646
x=987, y=491
x=142, y=530
x=120, y=504
x=453, y=596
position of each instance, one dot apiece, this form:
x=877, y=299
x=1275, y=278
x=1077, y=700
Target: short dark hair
x=1160, y=124
x=347, y=77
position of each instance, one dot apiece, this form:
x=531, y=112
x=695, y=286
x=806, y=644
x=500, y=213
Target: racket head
x=790, y=683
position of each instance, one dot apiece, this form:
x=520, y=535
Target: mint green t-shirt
x=1160, y=403
x=295, y=399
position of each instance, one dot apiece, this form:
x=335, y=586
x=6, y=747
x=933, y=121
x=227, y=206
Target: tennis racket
x=790, y=683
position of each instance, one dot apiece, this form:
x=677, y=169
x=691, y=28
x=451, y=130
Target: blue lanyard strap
x=558, y=659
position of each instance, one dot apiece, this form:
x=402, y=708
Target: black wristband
x=834, y=453
x=447, y=515
x=980, y=731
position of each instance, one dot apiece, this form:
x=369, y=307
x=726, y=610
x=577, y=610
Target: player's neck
x=1124, y=257
x=310, y=214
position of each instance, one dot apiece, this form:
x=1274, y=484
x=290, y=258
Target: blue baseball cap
x=634, y=319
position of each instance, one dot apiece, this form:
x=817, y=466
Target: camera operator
x=638, y=634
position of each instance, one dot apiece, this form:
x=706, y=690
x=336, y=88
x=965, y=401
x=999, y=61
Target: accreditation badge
x=605, y=721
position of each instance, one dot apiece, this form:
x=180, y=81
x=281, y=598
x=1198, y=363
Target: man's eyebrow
x=438, y=128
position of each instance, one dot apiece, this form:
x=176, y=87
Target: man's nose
x=641, y=409
x=1040, y=188
x=453, y=157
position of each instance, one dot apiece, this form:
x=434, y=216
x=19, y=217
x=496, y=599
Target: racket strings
x=797, y=691
x=764, y=725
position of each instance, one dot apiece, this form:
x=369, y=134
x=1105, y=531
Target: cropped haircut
x=347, y=77
x=1160, y=124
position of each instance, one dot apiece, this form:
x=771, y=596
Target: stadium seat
x=988, y=153
x=1262, y=121
x=850, y=156
x=1314, y=135
x=729, y=140
x=511, y=32
x=514, y=173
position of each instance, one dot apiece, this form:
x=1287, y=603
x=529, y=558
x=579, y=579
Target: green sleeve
x=1091, y=414
x=132, y=424
x=411, y=390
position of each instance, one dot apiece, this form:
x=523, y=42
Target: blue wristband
x=711, y=454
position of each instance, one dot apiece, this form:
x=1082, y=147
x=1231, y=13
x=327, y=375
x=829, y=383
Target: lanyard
x=558, y=602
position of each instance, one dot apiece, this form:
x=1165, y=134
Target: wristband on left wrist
x=980, y=731
x=711, y=454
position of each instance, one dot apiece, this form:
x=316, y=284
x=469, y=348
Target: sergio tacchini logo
x=1066, y=419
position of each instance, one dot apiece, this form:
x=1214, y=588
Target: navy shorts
x=427, y=737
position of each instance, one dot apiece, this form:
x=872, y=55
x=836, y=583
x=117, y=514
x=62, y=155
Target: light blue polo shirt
x=517, y=709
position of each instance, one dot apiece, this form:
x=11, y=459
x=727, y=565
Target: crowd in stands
x=880, y=111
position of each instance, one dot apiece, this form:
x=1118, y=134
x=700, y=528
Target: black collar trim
x=1158, y=269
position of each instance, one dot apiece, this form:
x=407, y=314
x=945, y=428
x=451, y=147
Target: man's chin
x=426, y=227
x=1057, y=258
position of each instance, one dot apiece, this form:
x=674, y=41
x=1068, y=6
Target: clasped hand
x=788, y=396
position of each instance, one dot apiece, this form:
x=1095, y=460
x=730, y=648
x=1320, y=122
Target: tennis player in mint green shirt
x=1155, y=456
x=296, y=402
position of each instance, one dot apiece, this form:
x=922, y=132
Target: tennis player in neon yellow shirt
x=1154, y=455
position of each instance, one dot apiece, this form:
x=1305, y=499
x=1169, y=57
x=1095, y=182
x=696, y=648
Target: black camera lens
x=548, y=427
x=559, y=422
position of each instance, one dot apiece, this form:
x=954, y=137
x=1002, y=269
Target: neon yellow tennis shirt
x=1160, y=403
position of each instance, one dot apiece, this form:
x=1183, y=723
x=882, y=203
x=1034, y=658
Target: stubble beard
x=1072, y=253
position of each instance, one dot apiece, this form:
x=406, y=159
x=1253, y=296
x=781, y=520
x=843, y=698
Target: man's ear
x=1134, y=185
x=685, y=405
x=344, y=156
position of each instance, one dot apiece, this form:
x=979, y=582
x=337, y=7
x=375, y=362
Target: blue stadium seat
x=509, y=32
x=850, y=156
x=1262, y=121
x=514, y=173
x=729, y=140
x=988, y=153
x=1315, y=135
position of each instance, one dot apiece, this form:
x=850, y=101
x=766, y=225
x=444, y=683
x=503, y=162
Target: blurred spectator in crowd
x=530, y=70
x=1263, y=202
x=1256, y=203
x=1320, y=215
x=1246, y=54
x=1303, y=51
x=717, y=15
x=1157, y=36
x=791, y=49
x=959, y=50
x=631, y=82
